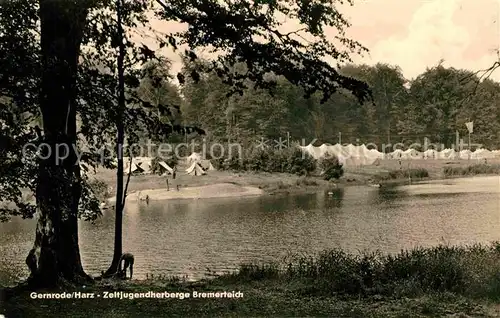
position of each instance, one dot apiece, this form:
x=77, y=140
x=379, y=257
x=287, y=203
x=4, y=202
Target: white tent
x=145, y=166
x=315, y=152
x=411, y=154
x=448, y=154
x=194, y=157
x=143, y=162
x=465, y=154
x=195, y=170
x=375, y=153
x=207, y=165
x=482, y=154
x=396, y=154
x=349, y=155
x=133, y=169
x=430, y=154
x=165, y=168
x=356, y=161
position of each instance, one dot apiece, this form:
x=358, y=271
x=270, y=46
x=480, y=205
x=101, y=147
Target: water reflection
x=187, y=237
x=331, y=199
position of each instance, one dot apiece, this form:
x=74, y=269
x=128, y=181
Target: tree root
x=38, y=283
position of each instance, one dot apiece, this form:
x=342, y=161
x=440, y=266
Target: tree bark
x=55, y=256
x=120, y=202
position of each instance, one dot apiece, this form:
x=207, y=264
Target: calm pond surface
x=189, y=237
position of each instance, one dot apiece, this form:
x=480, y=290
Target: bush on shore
x=331, y=166
x=290, y=160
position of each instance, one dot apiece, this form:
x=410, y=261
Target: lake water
x=188, y=237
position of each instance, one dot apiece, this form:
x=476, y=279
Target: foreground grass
x=440, y=281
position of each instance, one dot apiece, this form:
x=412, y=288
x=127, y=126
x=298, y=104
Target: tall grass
x=470, y=271
x=475, y=169
x=414, y=173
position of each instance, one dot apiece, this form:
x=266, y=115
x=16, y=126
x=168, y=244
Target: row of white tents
x=348, y=155
x=353, y=155
x=196, y=166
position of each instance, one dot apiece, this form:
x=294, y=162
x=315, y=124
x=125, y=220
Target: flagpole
x=470, y=128
x=469, y=145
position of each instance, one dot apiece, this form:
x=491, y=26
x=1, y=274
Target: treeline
x=434, y=105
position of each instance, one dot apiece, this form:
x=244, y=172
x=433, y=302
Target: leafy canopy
x=248, y=32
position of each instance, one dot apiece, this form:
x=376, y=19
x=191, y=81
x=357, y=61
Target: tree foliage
x=331, y=167
x=434, y=105
x=65, y=69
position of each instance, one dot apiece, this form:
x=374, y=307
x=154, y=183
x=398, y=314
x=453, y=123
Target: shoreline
x=302, y=185
x=241, y=184
x=218, y=190
x=228, y=190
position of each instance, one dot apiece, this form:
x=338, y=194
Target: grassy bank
x=472, y=170
x=440, y=281
x=404, y=174
x=421, y=169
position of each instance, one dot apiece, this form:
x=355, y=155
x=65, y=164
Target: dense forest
x=435, y=105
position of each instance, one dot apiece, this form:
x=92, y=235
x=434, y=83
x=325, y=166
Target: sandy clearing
x=220, y=190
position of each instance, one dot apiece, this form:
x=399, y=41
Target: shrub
x=100, y=189
x=298, y=162
x=218, y=163
x=258, y=160
x=332, y=168
x=233, y=163
x=276, y=161
x=290, y=160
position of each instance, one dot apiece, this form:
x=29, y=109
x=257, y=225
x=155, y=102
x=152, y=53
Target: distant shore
x=218, y=184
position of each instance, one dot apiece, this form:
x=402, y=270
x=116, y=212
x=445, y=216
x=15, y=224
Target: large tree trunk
x=55, y=256
x=120, y=202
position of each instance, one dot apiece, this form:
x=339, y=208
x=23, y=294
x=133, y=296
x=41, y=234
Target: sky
x=416, y=34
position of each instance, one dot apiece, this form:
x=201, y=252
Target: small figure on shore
x=174, y=172
x=177, y=187
x=128, y=260
x=147, y=199
x=168, y=187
